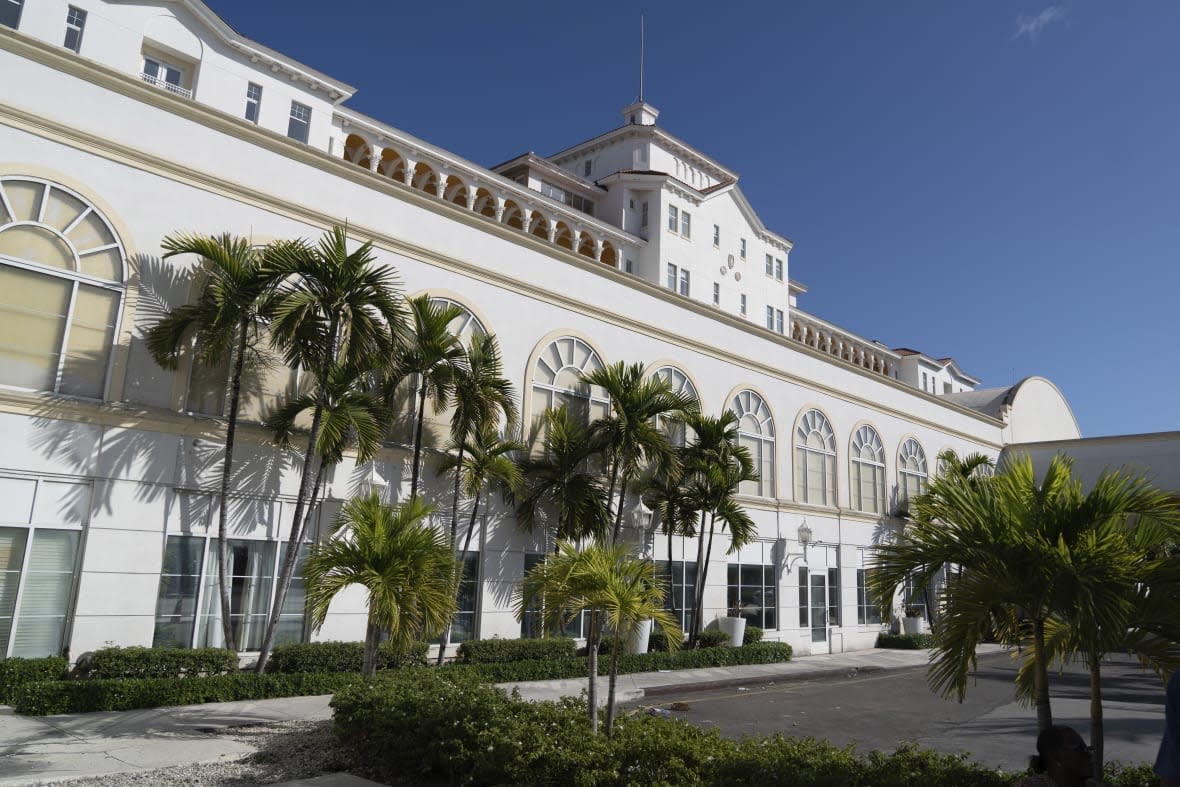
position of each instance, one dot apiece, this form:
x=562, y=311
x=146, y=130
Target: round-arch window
x=868, y=471
x=557, y=379
x=62, y=282
x=815, y=460
x=678, y=381
x=911, y=470
x=466, y=324
x=756, y=433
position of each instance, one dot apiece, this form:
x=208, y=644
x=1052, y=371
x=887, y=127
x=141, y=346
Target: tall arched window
x=557, y=379
x=912, y=476
x=815, y=460
x=678, y=380
x=62, y=280
x=466, y=324
x=756, y=432
x=868, y=471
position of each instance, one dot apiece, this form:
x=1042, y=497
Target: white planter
x=640, y=637
x=735, y=628
x=913, y=625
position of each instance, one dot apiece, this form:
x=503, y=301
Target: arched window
x=868, y=471
x=911, y=470
x=815, y=460
x=466, y=324
x=678, y=380
x=756, y=432
x=557, y=379
x=62, y=281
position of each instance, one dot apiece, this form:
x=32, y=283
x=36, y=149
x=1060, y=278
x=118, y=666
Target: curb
x=789, y=677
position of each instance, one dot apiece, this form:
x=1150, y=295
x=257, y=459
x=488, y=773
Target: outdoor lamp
x=804, y=537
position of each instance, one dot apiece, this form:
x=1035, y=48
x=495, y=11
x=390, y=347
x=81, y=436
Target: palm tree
x=715, y=467
x=617, y=588
x=1118, y=583
x=481, y=398
x=631, y=433
x=403, y=563
x=663, y=491
x=224, y=324
x=428, y=354
x=561, y=480
x=333, y=309
x=486, y=460
x=1031, y=555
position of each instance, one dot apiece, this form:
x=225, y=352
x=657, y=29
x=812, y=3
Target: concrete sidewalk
x=36, y=750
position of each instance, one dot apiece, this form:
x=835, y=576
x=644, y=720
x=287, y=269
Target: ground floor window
x=464, y=627
x=679, y=588
x=752, y=594
x=914, y=599
x=532, y=624
x=189, y=582
x=867, y=611
x=36, y=588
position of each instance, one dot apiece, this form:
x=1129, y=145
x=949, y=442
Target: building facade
x=124, y=122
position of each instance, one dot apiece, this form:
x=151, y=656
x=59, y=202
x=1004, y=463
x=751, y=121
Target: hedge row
x=447, y=726
x=110, y=663
x=498, y=651
x=16, y=672
x=83, y=696
x=905, y=641
x=553, y=669
x=341, y=657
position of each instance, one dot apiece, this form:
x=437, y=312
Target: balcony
x=171, y=88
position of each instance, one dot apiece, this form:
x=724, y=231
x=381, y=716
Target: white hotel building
x=124, y=121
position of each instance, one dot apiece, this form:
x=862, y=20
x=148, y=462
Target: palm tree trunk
x=231, y=428
x=619, y=513
x=298, y=526
x=671, y=576
x=446, y=637
x=592, y=657
x=455, y=498
x=418, y=441
x=372, y=641
x=614, y=679
x=708, y=556
x=698, y=588
x=1097, y=733
x=610, y=500
x=1041, y=677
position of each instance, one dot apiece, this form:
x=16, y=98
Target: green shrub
x=84, y=696
x=659, y=639
x=905, y=641
x=1118, y=774
x=341, y=657
x=16, y=672
x=109, y=663
x=712, y=638
x=499, y=651
x=753, y=634
x=910, y=766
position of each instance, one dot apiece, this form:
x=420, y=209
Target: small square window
x=717, y=235
x=253, y=101
x=742, y=249
x=628, y=266
x=769, y=265
x=75, y=24
x=643, y=215
x=716, y=294
x=671, y=277
x=686, y=224
x=778, y=320
x=743, y=304
x=673, y=218
x=770, y=318
x=10, y=13
x=299, y=126
x=778, y=269
x=684, y=282
x=587, y=167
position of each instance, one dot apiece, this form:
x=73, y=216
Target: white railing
x=171, y=88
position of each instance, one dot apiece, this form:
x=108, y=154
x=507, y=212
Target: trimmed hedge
x=16, y=672
x=447, y=727
x=659, y=640
x=83, y=696
x=553, y=669
x=111, y=663
x=712, y=638
x=753, y=634
x=341, y=657
x=905, y=641
x=500, y=651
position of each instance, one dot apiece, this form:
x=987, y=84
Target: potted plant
x=640, y=637
x=913, y=622
x=734, y=625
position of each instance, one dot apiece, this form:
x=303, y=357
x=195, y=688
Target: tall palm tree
x=630, y=433
x=664, y=492
x=481, y=398
x=618, y=589
x=487, y=460
x=716, y=465
x=403, y=563
x=224, y=324
x=428, y=354
x=333, y=308
x=561, y=480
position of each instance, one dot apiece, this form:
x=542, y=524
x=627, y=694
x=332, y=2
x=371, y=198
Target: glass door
x=819, y=609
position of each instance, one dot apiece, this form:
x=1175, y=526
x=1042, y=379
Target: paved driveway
x=883, y=709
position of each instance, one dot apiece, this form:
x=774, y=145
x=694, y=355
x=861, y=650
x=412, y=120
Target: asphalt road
x=881, y=710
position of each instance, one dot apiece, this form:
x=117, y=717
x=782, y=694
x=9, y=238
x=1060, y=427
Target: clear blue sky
x=996, y=181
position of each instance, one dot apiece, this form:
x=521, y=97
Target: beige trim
x=456, y=297
x=665, y=362
x=217, y=121
x=526, y=392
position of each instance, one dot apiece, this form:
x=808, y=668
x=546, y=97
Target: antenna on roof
x=641, y=58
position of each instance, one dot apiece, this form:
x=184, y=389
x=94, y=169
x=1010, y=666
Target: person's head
x=1064, y=756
